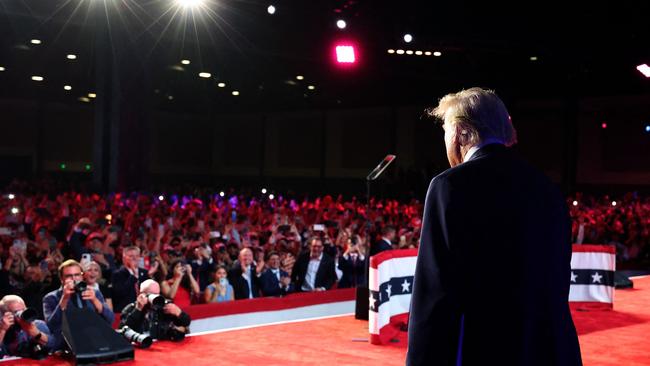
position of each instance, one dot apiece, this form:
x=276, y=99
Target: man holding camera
x=21, y=333
x=153, y=314
x=73, y=294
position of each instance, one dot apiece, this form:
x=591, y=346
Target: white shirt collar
x=474, y=149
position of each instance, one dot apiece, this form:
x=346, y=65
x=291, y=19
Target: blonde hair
x=66, y=264
x=478, y=115
x=9, y=299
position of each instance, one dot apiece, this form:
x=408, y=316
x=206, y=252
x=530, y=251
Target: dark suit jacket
x=271, y=285
x=325, y=276
x=354, y=272
x=492, y=276
x=240, y=285
x=379, y=247
x=123, y=287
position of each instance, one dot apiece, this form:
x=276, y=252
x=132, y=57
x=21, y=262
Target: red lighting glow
x=345, y=54
x=603, y=125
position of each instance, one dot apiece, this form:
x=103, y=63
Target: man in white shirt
x=314, y=270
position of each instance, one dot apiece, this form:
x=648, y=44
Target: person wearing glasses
x=67, y=296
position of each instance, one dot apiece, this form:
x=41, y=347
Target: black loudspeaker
x=91, y=340
x=362, y=303
x=622, y=281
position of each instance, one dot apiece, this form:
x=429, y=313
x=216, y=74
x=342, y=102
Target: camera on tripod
x=140, y=340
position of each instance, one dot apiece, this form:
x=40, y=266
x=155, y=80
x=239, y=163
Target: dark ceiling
x=582, y=49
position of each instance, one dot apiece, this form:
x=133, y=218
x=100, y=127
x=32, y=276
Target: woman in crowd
x=219, y=290
x=93, y=277
x=180, y=285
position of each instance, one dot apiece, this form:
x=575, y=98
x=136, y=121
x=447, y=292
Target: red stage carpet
x=616, y=338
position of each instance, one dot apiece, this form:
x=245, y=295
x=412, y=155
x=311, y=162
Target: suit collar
x=488, y=149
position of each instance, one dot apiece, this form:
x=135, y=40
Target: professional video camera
x=140, y=340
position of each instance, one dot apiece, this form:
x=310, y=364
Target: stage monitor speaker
x=362, y=303
x=622, y=281
x=91, y=340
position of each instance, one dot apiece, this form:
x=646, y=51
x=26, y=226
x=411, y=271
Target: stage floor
x=615, y=338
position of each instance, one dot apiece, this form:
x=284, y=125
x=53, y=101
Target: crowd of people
x=218, y=247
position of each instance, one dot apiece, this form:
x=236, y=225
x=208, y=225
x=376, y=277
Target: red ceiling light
x=345, y=54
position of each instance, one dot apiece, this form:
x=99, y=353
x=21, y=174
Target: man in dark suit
x=314, y=270
x=492, y=276
x=59, y=301
x=125, y=282
x=386, y=242
x=274, y=281
x=245, y=276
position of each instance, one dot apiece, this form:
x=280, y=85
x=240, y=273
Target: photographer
x=20, y=333
x=73, y=293
x=151, y=313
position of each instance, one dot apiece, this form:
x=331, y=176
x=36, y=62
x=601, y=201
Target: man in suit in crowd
x=57, y=302
x=126, y=281
x=245, y=275
x=314, y=270
x=275, y=281
x=492, y=276
x=386, y=242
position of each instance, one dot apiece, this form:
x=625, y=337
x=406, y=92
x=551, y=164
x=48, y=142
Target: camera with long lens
x=157, y=302
x=140, y=340
x=27, y=315
x=162, y=328
x=80, y=286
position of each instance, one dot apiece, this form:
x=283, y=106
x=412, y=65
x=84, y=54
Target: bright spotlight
x=2, y=68
x=613, y=203
x=427, y=53
x=15, y=210
x=11, y=196
x=341, y=24
x=161, y=198
x=419, y=53
x=647, y=128
x=263, y=190
x=390, y=50
x=71, y=57
x=270, y=9
x=345, y=54
x=222, y=194
x=400, y=52
x=311, y=87
x=409, y=52
x=644, y=69
x=67, y=87
x=235, y=92
x=36, y=41
x=221, y=85
x=437, y=53
x=300, y=77
x=271, y=196
x=92, y=95
x=189, y=3
x=408, y=38
x=533, y=58
x=37, y=78
x=185, y=62
x=603, y=125
x=205, y=75
x=575, y=203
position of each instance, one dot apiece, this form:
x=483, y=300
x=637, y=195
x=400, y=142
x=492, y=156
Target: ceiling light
x=400, y=52
x=235, y=93
x=185, y=62
x=67, y=87
x=390, y=50
x=170, y=97
x=300, y=77
x=345, y=54
x=408, y=38
x=409, y=52
x=533, y=58
x=71, y=57
x=427, y=53
x=84, y=99
x=270, y=9
x=311, y=87
x=2, y=68
x=189, y=3
x=37, y=78
x=419, y=53
x=36, y=41
x=437, y=53
x=221, y=85
x=205, y=75
x=340, y=24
